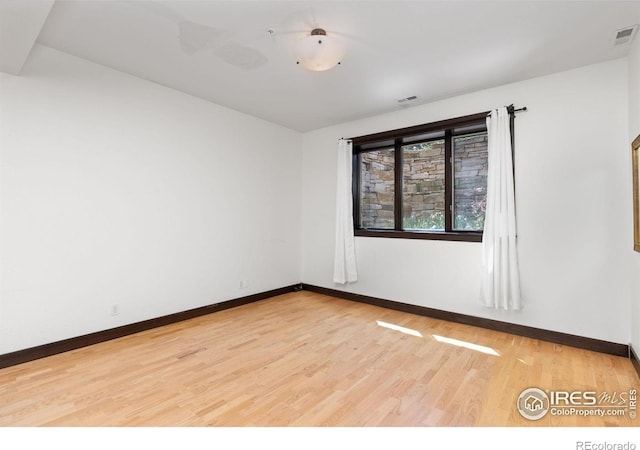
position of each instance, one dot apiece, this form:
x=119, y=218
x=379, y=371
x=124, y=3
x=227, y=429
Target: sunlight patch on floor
x=399, y=328
x=469, y=345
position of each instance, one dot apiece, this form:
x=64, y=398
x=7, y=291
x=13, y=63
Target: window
x=427, y=181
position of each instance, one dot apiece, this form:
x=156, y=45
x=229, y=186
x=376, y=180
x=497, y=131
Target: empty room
x=316, y=214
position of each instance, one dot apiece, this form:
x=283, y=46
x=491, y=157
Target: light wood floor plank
x=304, y=359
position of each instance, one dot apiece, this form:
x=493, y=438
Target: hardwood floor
x=305, y=359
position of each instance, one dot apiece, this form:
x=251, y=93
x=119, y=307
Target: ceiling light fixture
x=318, y=51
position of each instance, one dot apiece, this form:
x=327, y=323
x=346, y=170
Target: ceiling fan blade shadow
x=352, y=38
x=240, y=56
x=194, y=36
x=304, y=19
x=191, y=35
x=300, y=31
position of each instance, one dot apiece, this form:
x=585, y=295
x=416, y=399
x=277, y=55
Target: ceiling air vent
x=407, y=99
x=625, y=35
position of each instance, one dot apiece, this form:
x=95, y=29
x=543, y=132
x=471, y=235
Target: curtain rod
x=511, y=109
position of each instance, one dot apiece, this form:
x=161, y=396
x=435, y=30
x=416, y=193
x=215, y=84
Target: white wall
x=115, y=190
x=634, y=131
x=573, y=202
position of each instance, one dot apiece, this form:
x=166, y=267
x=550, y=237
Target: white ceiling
x=221, y=50
x=20, y=23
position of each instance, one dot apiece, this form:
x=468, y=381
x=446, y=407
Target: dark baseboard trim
x=635, y=360
x=42, y=351
x=506, y=327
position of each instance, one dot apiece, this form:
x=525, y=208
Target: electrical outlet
x=244, y=284
x=115, y=309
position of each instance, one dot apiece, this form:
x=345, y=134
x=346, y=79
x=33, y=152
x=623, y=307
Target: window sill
x=464, y=236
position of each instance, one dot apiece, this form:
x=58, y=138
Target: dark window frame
x=396, y=137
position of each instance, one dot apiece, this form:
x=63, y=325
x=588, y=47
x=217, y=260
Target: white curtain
x=344, y=265
x=500, y=276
